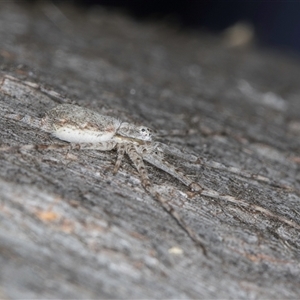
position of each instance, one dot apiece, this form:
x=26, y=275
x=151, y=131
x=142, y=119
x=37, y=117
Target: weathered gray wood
x=70, y=229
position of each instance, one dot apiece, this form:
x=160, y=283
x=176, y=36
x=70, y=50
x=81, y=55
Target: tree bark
x=70, y=229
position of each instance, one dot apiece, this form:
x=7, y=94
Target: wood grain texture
x=69, y=228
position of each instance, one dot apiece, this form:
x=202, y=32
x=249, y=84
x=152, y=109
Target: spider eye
x=145, y=133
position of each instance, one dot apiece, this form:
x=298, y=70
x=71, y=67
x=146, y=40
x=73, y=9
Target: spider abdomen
x=75, y=124
x=77, y=135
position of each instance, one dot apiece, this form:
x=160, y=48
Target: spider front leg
x=139, y=164
x=155, y=158
x=176, y=152
x=121, y=149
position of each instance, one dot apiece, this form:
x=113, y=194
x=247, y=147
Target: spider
x=86, y=129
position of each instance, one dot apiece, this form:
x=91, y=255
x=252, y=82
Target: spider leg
x=41, y=123
x=176, y=152
x=137, y=159
x=121, y=151
x=139, y=164
x=169, y=208
x=39, y=147
x=103, y=146
x=162, y=164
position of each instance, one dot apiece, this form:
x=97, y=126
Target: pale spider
x=86, y=129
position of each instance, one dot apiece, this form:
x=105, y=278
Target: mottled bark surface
x=70, y=229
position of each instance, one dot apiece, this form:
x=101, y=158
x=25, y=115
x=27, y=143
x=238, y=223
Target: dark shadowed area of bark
x=70, y=229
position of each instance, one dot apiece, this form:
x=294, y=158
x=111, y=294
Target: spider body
x=74, y=124
x=86, y=129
